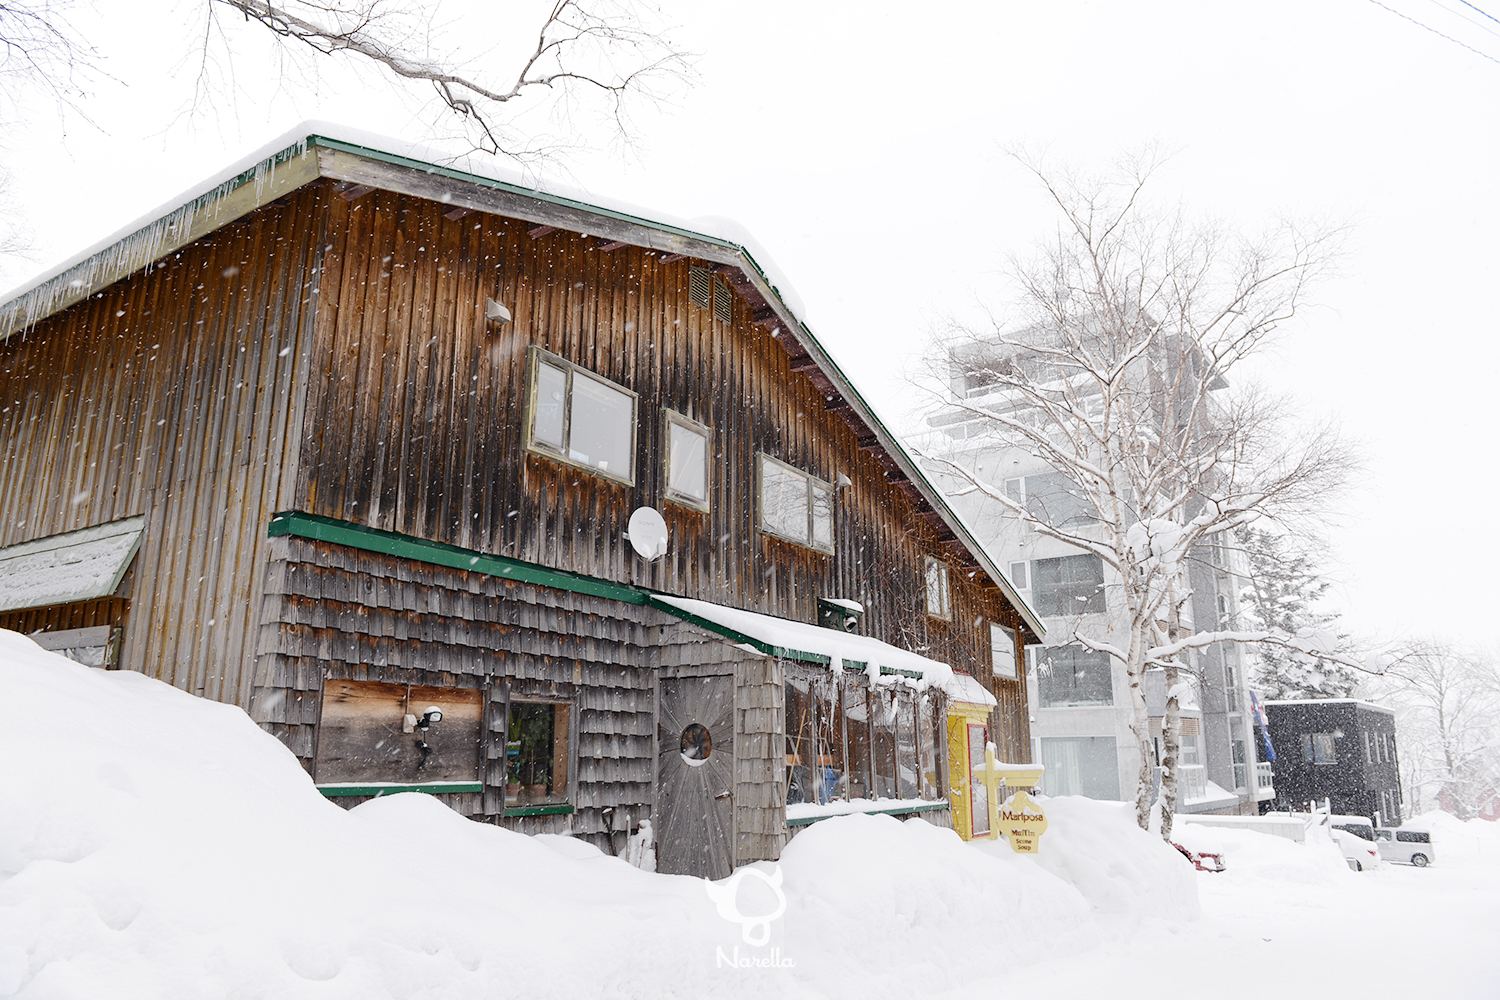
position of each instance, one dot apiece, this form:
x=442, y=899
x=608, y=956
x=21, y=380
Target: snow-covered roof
x=258, y=166
x=294, y=159
x=1333, y=701
x=801, y=641
x=965, y=688
x=74, y=566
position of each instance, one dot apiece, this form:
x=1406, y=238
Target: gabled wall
x=171, y=394
x=415, y=412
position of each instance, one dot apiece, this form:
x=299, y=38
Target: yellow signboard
x=1019, y=818
x=1023, y=823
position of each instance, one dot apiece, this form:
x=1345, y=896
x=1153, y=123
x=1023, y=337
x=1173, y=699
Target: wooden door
x=695, y=753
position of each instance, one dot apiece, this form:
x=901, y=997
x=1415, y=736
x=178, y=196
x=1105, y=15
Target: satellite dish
x=647, y=532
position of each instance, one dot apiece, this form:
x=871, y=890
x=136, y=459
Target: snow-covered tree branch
x=1448, y=704
x=1116, y=375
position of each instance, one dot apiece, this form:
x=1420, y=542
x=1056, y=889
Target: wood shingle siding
x=334, y=612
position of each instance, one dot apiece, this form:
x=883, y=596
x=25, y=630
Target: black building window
x=1318, y=748
x=1070, y=676
x=1068, y=585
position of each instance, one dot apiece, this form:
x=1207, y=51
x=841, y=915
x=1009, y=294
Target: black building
x=1342, y=750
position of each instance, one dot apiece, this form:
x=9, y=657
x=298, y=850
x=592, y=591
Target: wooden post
x=1024, y=819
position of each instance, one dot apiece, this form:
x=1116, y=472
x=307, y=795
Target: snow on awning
x=74, y=566
x=802, y=641
x=963, y=687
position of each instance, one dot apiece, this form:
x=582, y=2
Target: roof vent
x=700, y=286
x=723, y=304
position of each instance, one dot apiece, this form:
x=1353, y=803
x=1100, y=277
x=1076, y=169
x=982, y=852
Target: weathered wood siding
x=415, y=412
x=759, y=732
x=59, y=617
x=333, y=612
x=170, y=394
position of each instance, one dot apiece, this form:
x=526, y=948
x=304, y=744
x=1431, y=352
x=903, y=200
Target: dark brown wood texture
x=361, y=737
x=168, y=394
x=59, y=617
x=415, y=411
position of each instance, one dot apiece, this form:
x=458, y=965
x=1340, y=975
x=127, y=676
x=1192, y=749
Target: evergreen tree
x=1285, y=589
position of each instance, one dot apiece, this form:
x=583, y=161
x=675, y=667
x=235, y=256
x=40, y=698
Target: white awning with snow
x=74, y=566
x=802, y=641
x=965, y=688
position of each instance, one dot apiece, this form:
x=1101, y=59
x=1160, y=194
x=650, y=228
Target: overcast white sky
x=862, y=144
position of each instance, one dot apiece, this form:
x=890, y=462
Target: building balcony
x=1192, y=782
x=1264, y=789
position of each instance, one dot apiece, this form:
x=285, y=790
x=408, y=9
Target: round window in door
x=697, y=746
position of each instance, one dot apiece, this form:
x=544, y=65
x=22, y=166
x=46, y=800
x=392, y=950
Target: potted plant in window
x=512, y=772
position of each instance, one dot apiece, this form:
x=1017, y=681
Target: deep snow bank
x=153, y=844
x=1254, y=856
x=1471, y=842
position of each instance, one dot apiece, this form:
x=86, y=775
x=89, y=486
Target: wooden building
x=354, y=441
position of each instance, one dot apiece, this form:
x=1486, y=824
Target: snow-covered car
x=1358, y=851
x=1407, y=847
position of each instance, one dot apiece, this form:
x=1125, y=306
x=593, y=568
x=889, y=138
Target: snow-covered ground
x=157, y=845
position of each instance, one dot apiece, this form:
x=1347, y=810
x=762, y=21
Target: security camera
x=433, y=714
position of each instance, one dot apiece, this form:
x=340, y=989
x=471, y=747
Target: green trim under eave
x=894, y=811
x=378, y=789
x=517, y=811
x=326, y=529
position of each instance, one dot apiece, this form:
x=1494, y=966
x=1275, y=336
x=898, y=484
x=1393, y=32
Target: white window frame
x=813, y=484
x=673, y=418
x=1000, y=635
x=1025, y=582
x=537, y=357
x=944, y=610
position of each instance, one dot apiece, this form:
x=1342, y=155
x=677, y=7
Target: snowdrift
x=153, y=844
x=1251, y=856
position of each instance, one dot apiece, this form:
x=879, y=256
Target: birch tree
x=1118, y=372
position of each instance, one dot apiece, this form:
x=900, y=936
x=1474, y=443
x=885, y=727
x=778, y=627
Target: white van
x=1408, y=847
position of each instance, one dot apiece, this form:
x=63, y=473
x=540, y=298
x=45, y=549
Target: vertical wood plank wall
x=332, y=356
x=167, y=394
x=414, y=424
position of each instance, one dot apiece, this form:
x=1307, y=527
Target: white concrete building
x=1079, y=698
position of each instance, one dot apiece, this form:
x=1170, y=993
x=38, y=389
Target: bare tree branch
x=584, y=51
x=39, y=48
